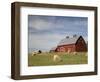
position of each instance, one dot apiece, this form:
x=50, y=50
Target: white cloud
x=40, y=24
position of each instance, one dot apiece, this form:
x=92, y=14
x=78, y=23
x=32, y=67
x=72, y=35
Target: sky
x=45, y=32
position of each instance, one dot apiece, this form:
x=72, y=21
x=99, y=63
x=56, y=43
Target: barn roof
x=68, y=40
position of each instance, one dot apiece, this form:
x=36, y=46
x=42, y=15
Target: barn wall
x=66, y=48
x=81, y=46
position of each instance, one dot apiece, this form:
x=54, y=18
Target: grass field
x=46, y=59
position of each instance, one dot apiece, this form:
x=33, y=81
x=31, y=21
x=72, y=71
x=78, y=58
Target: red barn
x=72, y=44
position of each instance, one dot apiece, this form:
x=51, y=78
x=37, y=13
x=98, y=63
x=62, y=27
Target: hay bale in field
x=34, y=53
x=56, y=58
x=69, y=51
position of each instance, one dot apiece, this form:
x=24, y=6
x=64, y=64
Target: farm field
x=46, y=59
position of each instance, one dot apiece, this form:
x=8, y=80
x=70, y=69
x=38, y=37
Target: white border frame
x=25, y=70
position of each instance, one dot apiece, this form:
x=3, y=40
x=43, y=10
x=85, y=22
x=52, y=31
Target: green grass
x=46, y=59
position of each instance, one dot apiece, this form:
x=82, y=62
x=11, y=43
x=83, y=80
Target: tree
x=39, y=51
